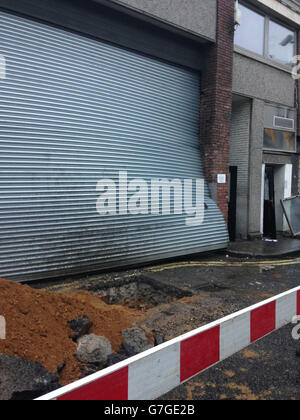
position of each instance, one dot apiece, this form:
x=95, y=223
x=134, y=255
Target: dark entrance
x=269, y=204
x=233, y=173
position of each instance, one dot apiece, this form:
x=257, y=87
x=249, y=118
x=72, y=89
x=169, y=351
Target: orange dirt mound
x=37, y=325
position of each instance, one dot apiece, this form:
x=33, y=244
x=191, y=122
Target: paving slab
x=262, y=248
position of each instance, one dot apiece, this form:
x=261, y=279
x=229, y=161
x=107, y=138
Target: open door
x=269, y=204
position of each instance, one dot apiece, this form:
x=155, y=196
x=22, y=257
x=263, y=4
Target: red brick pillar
x=298, y=88
x=216, y=104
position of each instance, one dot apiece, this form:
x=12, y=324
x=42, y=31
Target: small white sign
x=222, y=179
x=2, y=328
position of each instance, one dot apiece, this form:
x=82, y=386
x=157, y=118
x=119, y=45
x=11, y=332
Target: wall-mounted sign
x=222, y=179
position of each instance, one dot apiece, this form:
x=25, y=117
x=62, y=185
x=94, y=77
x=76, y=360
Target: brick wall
x=216, y=104
x=298, y=111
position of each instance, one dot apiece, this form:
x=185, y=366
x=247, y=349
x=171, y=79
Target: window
x=279, y=140
x=265, y=37
x=250, y=34
x=281, y=43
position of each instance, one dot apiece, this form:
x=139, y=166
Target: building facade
x=264, y=117
x=103, y=98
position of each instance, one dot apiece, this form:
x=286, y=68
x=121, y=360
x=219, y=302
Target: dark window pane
x=280, y=140
x=281, y=44
x=250, y=34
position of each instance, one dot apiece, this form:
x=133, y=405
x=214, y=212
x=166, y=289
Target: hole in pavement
x=141, y=295
x=212, y=287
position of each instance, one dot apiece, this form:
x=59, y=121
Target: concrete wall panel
x=197, y=16
x=258, y=80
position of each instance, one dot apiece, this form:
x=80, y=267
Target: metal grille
x=280, y=122
x=74, y=111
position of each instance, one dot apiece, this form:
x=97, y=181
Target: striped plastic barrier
x=153, y=373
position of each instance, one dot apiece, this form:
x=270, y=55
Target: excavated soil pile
x=38, y=325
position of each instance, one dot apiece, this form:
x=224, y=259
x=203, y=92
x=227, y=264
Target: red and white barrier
x=153, y=373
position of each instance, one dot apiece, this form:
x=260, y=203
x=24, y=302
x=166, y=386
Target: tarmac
x=267, y=370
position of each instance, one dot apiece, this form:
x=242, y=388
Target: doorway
x=232, y=206
x=269, y=229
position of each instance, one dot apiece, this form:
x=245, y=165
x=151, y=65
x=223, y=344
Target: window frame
x=264, y=32
x=267, y=19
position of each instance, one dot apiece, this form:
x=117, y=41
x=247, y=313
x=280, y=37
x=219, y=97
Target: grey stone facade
x=255, y=79
x=197, y=17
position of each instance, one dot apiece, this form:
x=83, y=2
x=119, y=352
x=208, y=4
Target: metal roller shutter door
x=73, y=111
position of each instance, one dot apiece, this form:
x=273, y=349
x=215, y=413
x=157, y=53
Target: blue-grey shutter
x=73, y=111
